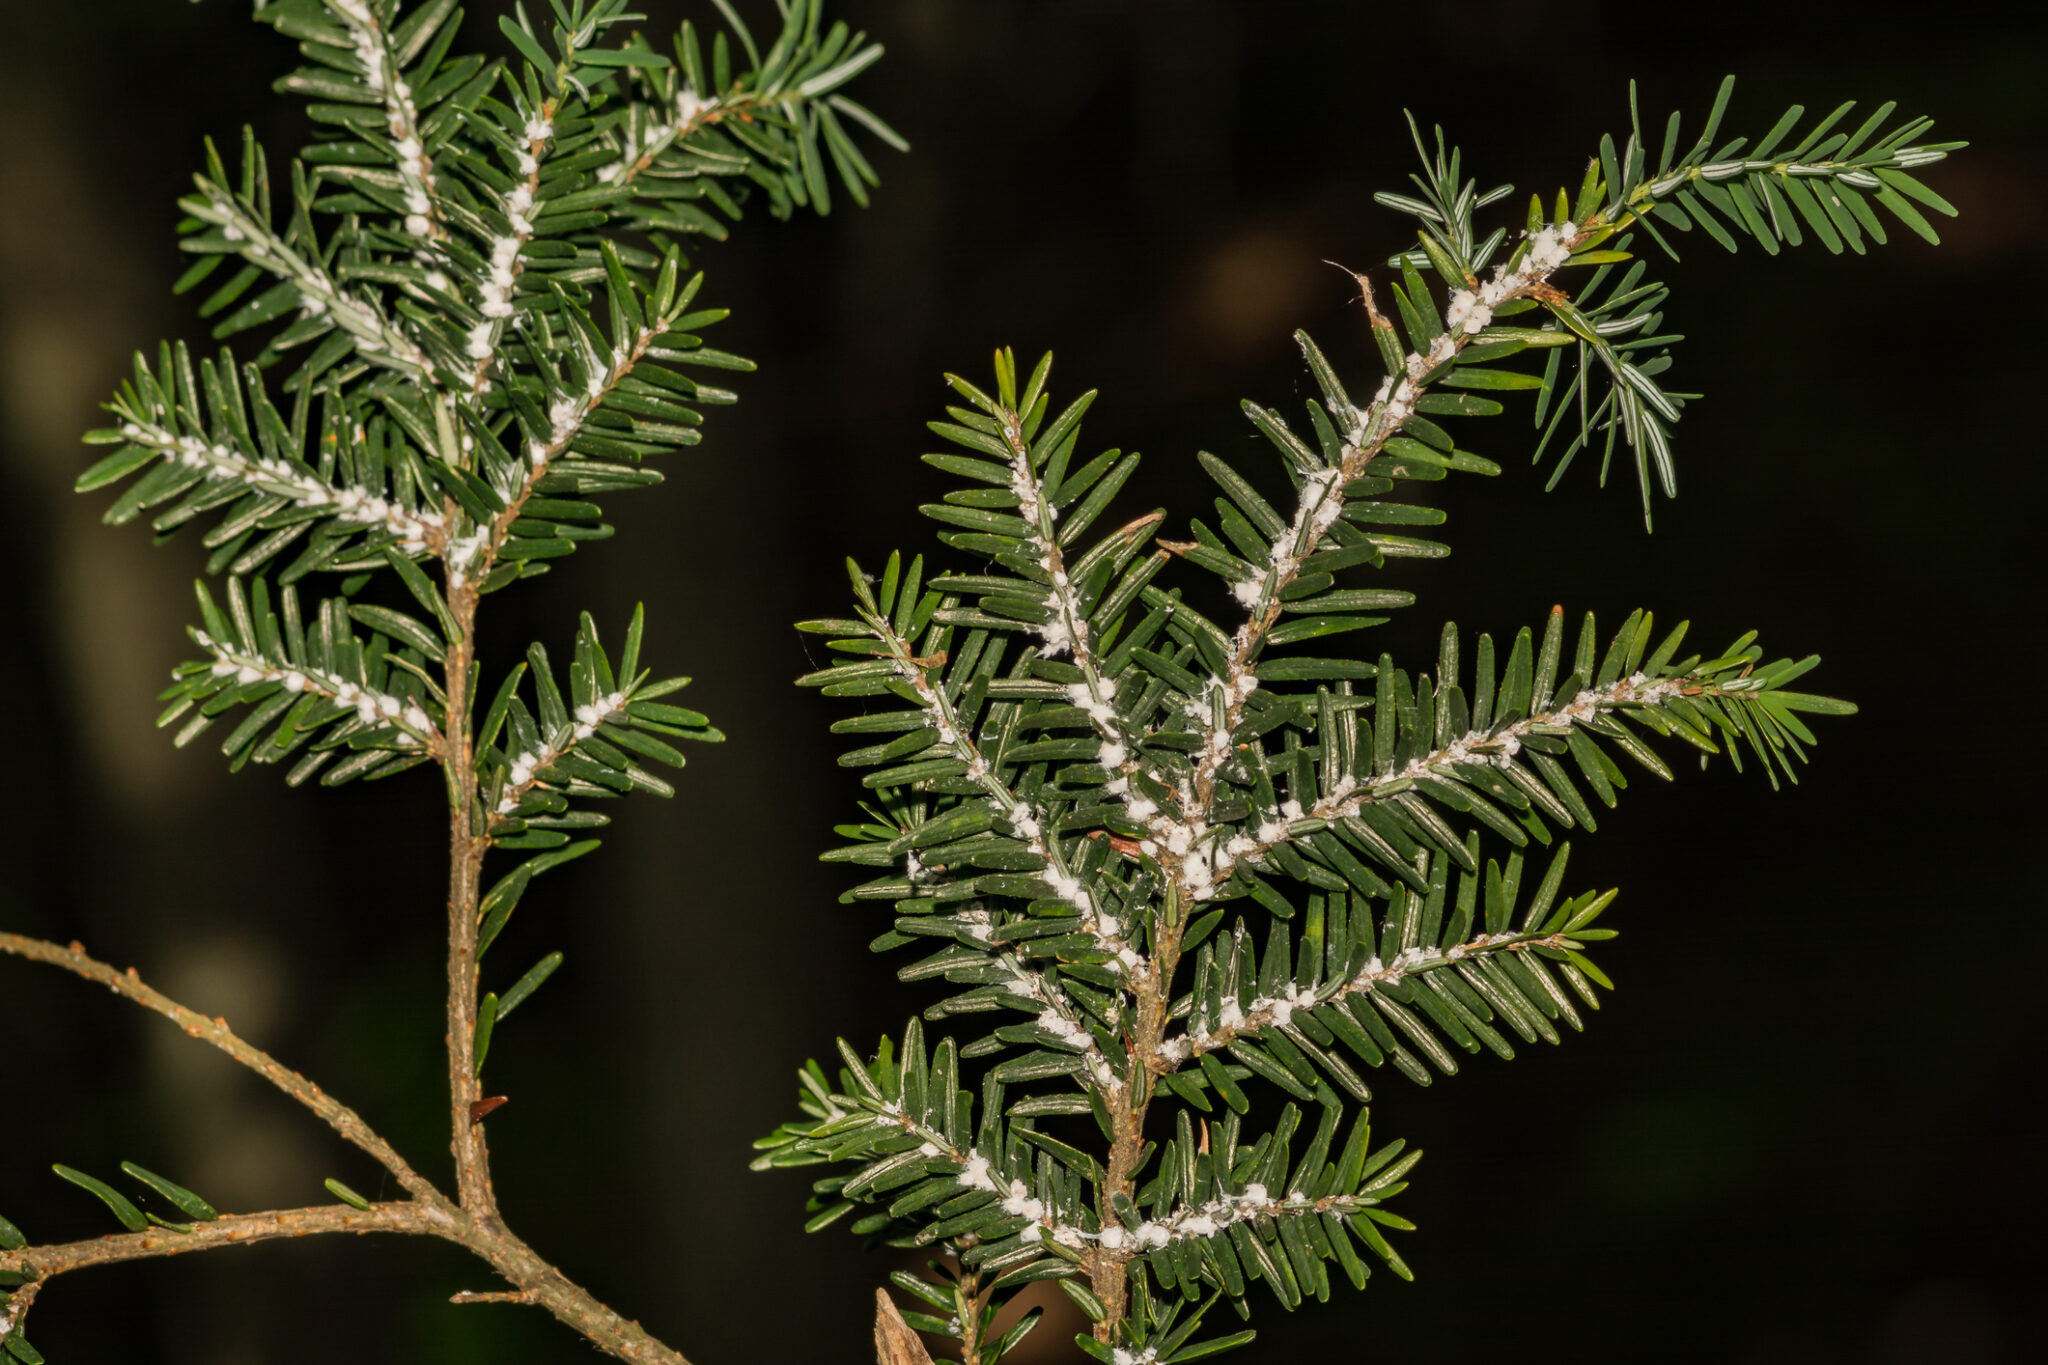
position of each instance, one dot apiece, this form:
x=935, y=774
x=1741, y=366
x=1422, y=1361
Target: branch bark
x=475, y=1227
x=44, y=1263
x=216, y=1032
x=468, y=841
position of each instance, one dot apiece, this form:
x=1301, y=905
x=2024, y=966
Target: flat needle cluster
x=475, y=317
x=1190, y=864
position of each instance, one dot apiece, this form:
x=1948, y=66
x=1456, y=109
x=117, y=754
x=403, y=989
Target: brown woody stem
x=428, y=1213
x=47, y=1262
x=216, y=1032
x=467, y=843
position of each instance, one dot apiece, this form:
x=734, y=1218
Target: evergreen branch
x=1025, y=1217
x=1239, y=1213
x=648, y=132
x=381, y=76
x=1194, y=1222
x=1066, y=630
x=1060, y=1019
x=775, y=124
x=376, y=698
x=372, y=707
x=1322, y=497
x=405, y=468
x=1496, y=746
x=222, y=464
x=44, y=1263
x=472, y=558
x=1194, y=775
x=1029, y=820
x=238, y=228
x=579, y=744
x=535, y=132
x=212, y=441
x=529, y=768
x=1821, y=178
x=216, y=1033
x=1249, y=1018
x=518, y=207
x=1777, y=190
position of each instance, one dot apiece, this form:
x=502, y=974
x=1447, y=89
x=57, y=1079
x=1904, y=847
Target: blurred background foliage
x=1812, y=1142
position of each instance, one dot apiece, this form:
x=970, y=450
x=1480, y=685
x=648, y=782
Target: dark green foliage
x=477, y=318
x=466, y=315
x=1081, y=781
x=1825, y=179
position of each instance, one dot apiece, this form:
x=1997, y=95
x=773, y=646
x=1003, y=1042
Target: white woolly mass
x=1025, y=823
x=518, y=207
x=402, y=120
x=1550, y=248
x=1101, y=714
x=1064, y=1029
x=691, y=107
x=462, y=554
x=1467, y=313
x=1068, y=888
x=1020, y=1204
x=1059, y=638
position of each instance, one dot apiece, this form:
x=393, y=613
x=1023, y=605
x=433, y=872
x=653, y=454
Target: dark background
x=1806, y=1129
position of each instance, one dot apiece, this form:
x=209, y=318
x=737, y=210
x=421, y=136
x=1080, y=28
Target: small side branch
x=471, y=558
x=42, y=1263
x=216, y=1032
x=1251, y=1018
x=539, y=1283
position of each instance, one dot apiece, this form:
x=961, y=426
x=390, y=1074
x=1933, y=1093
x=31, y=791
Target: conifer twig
x=444, y=423
x=244, y=1229
x=428, y=1213
x=216, y=1033
x=1083, y=783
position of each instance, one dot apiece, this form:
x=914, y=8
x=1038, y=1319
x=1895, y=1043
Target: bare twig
x=333, y=1112
x=474, y=1226
x=468, y=841
x=410, y=1216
